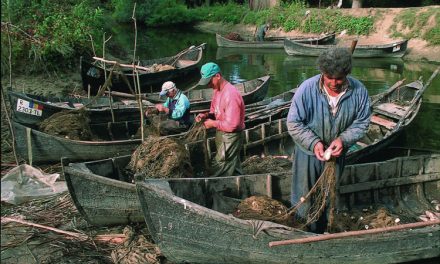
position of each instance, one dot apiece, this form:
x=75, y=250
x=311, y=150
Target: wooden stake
x=53, y=229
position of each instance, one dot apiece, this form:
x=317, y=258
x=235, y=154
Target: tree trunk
x=357, y=4
x=262, y=4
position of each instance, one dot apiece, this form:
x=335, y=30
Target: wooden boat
x=252, y=91
x=391, y=64
x=118, y=138
x=273, y=42
x=88, y=181
x=100, y=109
x=392, y=112
x=30, y=109
x=182, y=65
x=395, y=49
x=191, y=220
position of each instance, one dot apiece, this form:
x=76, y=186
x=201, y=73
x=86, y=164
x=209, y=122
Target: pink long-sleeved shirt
x=228, y=107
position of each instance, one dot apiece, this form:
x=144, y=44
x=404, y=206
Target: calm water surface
x=288, y=72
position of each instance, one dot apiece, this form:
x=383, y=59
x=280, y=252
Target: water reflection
x=288, y=72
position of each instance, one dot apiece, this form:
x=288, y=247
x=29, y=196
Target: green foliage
x=123, y=9
x=51, y=31
x=353, y=25
x=168, y=13
x=408, y=24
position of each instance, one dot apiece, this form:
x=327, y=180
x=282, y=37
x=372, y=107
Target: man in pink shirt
x=226, y=114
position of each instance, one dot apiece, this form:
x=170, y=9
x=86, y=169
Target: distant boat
x=191, y=220
x=391, y=64
x=182, y=64
x=394, y=49
x=273, y=42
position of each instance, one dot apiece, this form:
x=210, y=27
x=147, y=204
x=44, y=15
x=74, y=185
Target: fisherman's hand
x=319, y=151
x=160, y=107
x=209, y=123
x=337, y=147
x=201, y=117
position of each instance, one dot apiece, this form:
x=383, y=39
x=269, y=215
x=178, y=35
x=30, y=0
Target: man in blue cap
x=176, y=107
x=226, y=115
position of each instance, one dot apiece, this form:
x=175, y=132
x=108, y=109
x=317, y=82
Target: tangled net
x=136, y=249
x=256, y=164
x=153, y=127
x=324, y=187
x=159, y=157
x=234, y=36
x=261, y=208
x=69, y=124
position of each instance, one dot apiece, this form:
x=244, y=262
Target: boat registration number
x=396, y=48
x=29, y=108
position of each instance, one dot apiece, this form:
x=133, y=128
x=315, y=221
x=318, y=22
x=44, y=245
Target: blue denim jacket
x=310, y=119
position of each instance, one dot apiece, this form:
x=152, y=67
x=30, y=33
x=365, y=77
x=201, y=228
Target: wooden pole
x=353, y=45
x=352, y=233
x=56, y=230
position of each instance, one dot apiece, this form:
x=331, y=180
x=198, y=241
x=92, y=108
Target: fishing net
x=324, y=188
x=234, y=36
x=68, y=124
x=367, y=218
x=196, y=132
x=270, y=164
x=159, y=157
x=153, y=125
x=262, y=208
x=136, y=249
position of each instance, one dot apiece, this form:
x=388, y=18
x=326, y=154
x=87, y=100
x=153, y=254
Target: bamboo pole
x=56, y=230
x=3, y=96
x=352, y=233
x=137, y=88
x=134, y=66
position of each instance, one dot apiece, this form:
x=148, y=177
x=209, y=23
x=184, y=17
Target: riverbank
x=418, y=49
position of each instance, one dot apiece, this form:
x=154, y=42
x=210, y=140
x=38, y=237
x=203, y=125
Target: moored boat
x=191, y=220
x=274, y=42
x=183, y=64
x=395, y=49
x=30, y=109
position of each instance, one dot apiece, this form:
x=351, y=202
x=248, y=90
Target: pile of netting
x=367, y=219
x=68, y=124
x=234, y=36
x=153, y=124
x=270, y=164
x=136, y=249
x=159, y=67
x=160, y=157
x=262, y=208
x=166, y=157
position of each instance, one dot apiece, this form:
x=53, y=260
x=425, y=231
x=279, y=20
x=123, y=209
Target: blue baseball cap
x=207, y=71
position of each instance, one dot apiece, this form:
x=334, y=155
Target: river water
x=288, y=72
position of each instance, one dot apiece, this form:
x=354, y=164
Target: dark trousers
x=227, y=158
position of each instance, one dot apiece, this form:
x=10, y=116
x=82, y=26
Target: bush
x=50, y=32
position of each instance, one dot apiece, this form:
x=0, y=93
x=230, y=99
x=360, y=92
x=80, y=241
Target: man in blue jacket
x=176, y=107
x=329, y=111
